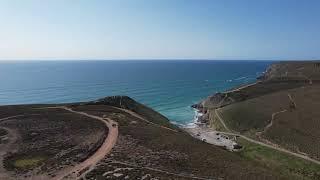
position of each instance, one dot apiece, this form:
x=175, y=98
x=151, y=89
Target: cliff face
x=293, y=71
x=277, y=77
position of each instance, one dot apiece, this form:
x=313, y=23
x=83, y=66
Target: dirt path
x=9, y=147
x=272, y=147
x=272, y=119
x=161, y=171
x=10, y=117
x=273, y=115
x=143, y=119
x=4, y=148
x=265, y=129
x=292, y=100
x=220, y=119
x=267, y=145
x=104, y=149
x=242, y=87
x=80, y=170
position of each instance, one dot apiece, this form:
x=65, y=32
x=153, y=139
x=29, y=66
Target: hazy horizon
x=167, y=59
x=159, y=30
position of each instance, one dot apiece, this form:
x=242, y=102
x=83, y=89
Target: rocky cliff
x=277, y=77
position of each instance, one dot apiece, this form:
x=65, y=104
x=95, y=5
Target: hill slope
x=75, y=141
x=280, y=109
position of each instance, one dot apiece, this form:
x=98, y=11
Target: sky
x=159, y=29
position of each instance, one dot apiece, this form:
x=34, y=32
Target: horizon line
x=158, y=59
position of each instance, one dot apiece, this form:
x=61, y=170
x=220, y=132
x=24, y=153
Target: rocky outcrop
x=292, y=71
x=275, y=78
x=278, y=76
x=204, y=118
x=128, y=103
x=212, y=102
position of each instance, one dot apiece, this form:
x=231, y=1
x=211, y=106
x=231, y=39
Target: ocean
x=169, y=87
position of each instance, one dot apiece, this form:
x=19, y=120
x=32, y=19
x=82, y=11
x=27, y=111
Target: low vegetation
x=28, y=162
x=281, y=109
x=295, y=129
x=143, y=148
x=147, y=145
x=3, y=132
x=48, y=139
x=286, y=165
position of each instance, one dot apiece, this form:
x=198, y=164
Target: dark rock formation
x=204, y=118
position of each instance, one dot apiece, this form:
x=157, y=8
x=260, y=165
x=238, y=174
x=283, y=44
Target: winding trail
x=10, y=117
x=272, y=119
x=4, y=148
x=80, y=170
x=143, y=119
x=273, y=115
x=242, y=87
x=103, y=150
x=220, y=119
x=160, y=171
x=264, y=144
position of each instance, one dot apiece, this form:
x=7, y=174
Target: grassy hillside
x=279, y=162
x=281, y=109
x=142, y=145
x=44, y=141
x=47, y=139
x=50, y=140
x=294, y=70
x=296, y=129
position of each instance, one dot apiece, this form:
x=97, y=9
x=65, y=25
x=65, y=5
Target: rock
x=204, y=118
x=196, y=106
x=117, y=174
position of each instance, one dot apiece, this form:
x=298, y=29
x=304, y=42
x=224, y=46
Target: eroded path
x=221, y=120
x=273, y=115
x=4, y=148
x=264, y=144
x=162, y=171
x=143, y=119
x=242, y=87
x=12, y=137
x=105, y=148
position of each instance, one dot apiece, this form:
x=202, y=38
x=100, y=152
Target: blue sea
x=169, y=87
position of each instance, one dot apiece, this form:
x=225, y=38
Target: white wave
x=195, y=120
x=243, y=77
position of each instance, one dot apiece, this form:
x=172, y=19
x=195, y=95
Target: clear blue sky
x=160, y=29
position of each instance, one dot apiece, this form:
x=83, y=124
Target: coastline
x=195, y=121
x=199, y=128
x=201, y=131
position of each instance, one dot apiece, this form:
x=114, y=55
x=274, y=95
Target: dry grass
x=285, y=164
x=28, y=162
x=296, y=129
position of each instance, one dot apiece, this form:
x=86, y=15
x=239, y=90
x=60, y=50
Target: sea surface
x=169, y=87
